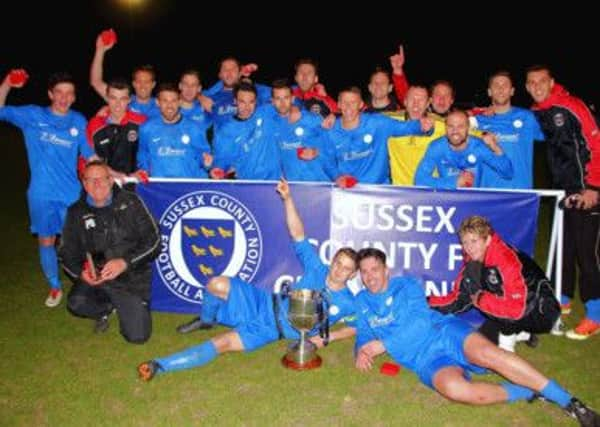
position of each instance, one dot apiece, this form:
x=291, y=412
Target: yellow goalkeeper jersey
x=406, y=152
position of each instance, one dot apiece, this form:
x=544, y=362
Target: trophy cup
x=305, y=312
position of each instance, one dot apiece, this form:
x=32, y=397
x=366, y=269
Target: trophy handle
x=286, y=287
x=324, y=304
x=277, y=298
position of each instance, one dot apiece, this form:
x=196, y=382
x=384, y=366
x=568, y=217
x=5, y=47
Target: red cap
x=109, y=37
x=18, y=77
x=217, y=173
x=143, y=176
x=248, y=69
x=300, y=152
x=389, y=368
x=346, y=181
x=469, y=178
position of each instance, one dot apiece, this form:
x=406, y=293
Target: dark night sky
x=174, y=35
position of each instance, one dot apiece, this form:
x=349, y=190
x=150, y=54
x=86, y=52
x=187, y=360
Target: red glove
x=346, y=181
x=18, y=77
x=109, y=37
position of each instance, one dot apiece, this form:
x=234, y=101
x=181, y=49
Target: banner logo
x=206, y=234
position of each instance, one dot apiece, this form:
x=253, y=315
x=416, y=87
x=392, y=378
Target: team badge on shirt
x=185, y=138
x=206, y=234
x=74, y=132
x=518, y=123
x=471, y=158
x=316, y=109
x=132, y=135
x=493, y=276
x=299, y=131
x=89, y=222
x=368, y=138
x=559, y=120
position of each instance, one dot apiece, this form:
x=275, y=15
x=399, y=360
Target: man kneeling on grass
x=505, y=284
x=393, y=317
x=250, y=311
x=107, y=244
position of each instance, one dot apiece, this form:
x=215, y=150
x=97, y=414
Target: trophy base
x=292, y=364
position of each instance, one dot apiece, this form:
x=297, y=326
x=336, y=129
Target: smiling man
x=515, y=129
x=114, y=136
x=171, y=145
x=393, y=317
x=54, y=137
x=458, y=159
x=573, y=151
x=505, y=284
x=258, y=317
x=107, y=244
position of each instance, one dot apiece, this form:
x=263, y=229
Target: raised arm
x=103, y=44
x=292, y=218
x=4, y=89
x=399, y=79
x=15, y=78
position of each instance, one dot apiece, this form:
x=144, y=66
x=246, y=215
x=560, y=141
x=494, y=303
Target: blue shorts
x=447, y=351
x=249, y=310
x=245, y=303
x=257, y=334
x=47, y=216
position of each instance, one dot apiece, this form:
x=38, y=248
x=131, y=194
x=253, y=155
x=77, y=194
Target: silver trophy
x=305, y=312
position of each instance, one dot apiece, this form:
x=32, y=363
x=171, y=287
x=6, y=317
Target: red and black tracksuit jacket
x=513, y=287
x=116, y=143
x=315, y=101
x=573, y=141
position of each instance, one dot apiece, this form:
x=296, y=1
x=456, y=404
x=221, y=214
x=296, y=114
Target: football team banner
x=211, y=228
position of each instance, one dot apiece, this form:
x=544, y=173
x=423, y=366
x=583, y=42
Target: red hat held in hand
x=18, y=77
x=468, y=178
x=109, y=37
x=306, y=153
x=247, y=69
x=217, y=173
x=142, y=176
x=389, y=368
x=346, y=181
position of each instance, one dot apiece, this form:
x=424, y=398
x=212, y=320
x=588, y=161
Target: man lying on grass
x=393, y=317
x=250, y=311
